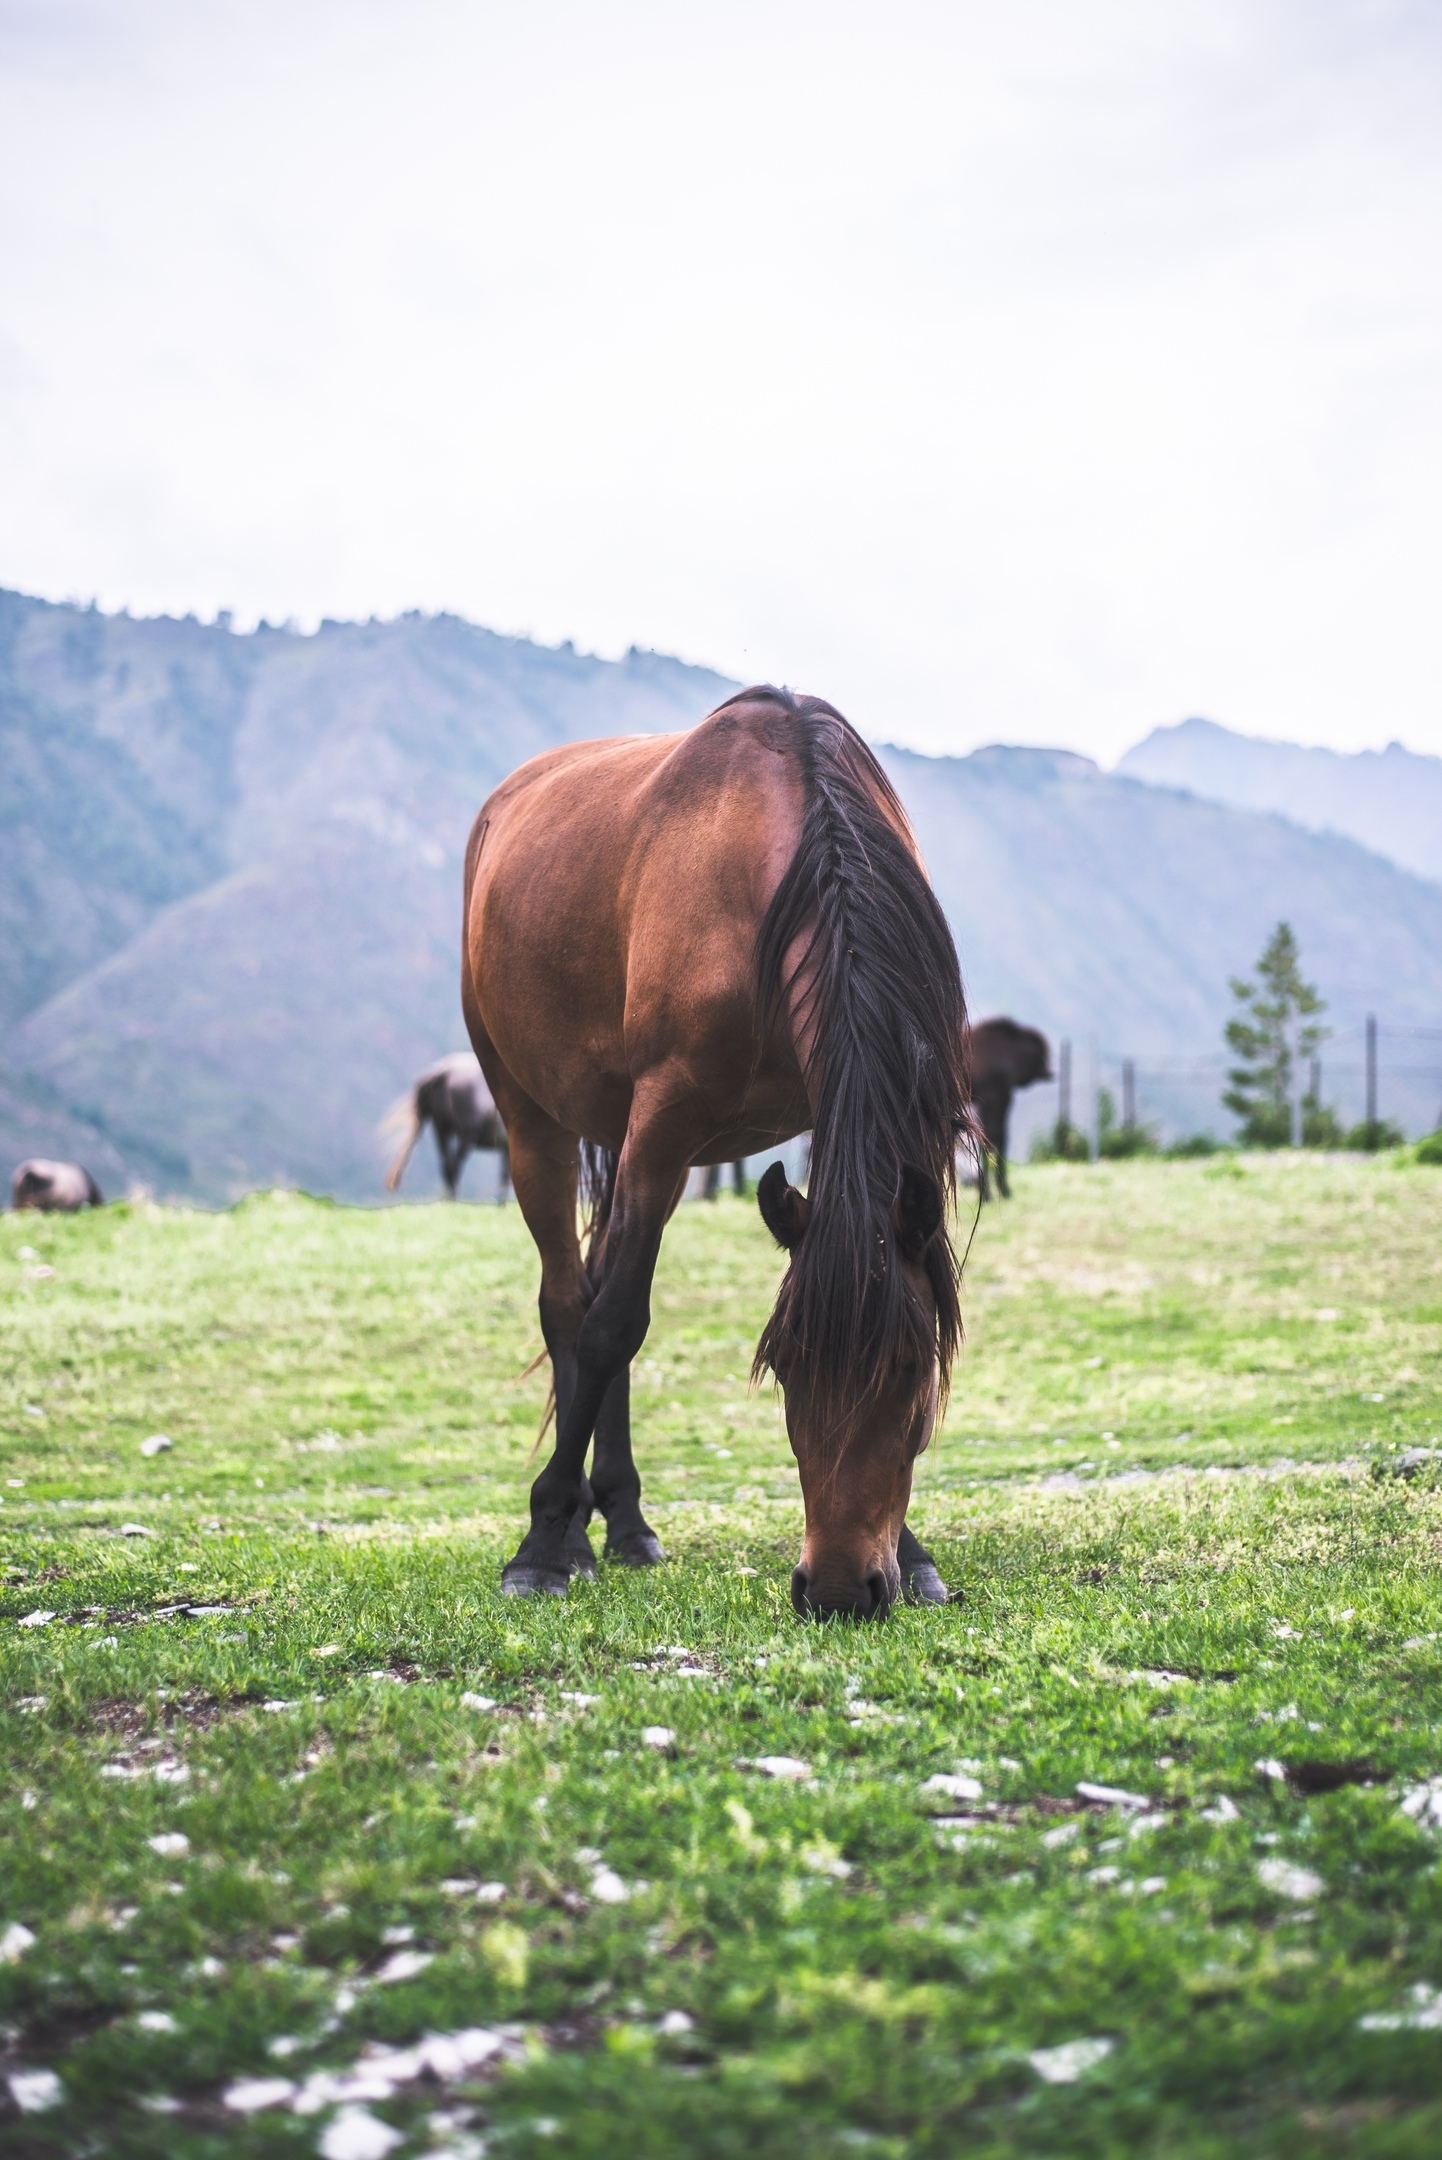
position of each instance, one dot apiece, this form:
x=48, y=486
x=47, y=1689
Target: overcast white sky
x=1034, y=373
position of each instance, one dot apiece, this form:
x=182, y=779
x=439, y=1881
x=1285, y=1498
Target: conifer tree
x=1274, y=1025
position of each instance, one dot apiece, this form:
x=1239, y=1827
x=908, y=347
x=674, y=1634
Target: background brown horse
x=686, y=949
x=453, y=1099
x=1003, y=1056
x=55, y=1188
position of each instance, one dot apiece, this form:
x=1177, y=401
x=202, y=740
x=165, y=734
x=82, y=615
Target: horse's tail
x=598, y=1191
x=404, y=1122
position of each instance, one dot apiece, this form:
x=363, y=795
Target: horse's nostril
x=800, y=1581
x=880, y=1594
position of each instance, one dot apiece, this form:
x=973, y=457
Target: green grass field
x=288, y=1787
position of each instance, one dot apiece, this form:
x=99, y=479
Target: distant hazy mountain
x=230, y=888
x=1107, y=910
x=1390, y=800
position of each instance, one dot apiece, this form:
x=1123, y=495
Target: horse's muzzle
x=869, y=1599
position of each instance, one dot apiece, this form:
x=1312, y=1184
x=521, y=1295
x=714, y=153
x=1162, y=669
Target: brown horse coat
x=686, y=949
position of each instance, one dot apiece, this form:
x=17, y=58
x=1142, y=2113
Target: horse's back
x=615, y=890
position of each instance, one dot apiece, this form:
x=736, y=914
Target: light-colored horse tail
x=405, y=1123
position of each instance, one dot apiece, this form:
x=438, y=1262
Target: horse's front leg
x=921, y=1584
x=616, y=1482
x=651, y=1173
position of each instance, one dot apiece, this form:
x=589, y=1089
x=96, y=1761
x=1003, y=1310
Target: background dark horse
x=1004, y=1056
x=453, y=1099
x=55, y=1188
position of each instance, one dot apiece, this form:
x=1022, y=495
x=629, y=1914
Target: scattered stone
x=607, y=1887
x=1424, y=1804
x=953, y=1786
x=14, y=1943
x=356, y=2134
x=169, y=1842
x=36, y=1619
x=1424, y=2016
x=250, y=2095
x=1110, y=1796
x=477, y=1702
x=156, y=2021
x=1288, y=1881
x=135, y=1529
x=659, y=1737
x=157, y=1444
x=1065, y=2064
x=678, y=2021
x=778, y=1766
x=404, y=1965
x=35, y=2090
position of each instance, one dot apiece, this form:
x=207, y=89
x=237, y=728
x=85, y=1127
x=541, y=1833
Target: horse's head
x=856, y=1459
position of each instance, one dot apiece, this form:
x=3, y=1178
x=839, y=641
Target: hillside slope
x=233, y=896
x=1390, y=800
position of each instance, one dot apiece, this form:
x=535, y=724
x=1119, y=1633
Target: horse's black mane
x=881, y=987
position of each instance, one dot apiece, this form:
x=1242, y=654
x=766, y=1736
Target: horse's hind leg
x=543, y=1174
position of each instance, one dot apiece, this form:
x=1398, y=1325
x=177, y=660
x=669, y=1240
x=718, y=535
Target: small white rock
x=36, y=1619
x=476, y=1702
x=607, y=1887
x=404, y=1965
x=657, y=1736
x=135, y=1529
x=579, y=1702
x=168, y=1842
x=1289, y=1881
x=1111, y=1796
x=783, y=1766
x=35, y=2090
x=355, y=2134
x=954, y=1787
x=249, y=2095
x=1222, y=1810
x=156, y=1444
x=490, y=1893
x=1065, y=2064
x=14, y=1943
x=1062, y=1835
x=278, y=1702
x=159, y=2021
x=676, y=2021
x=1269, y=1767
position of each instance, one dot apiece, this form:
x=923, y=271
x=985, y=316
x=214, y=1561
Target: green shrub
x=1064, y=1143
x=1192, y=1145
x=1430, y=1149
x=1369, y=1138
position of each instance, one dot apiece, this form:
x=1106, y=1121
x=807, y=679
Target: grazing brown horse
x=684, y=949
x=55, y=1188
x=453, y=1099
x=1004, y=1056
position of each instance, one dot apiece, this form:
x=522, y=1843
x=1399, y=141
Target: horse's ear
x=918, y=1211
x=784, y=1210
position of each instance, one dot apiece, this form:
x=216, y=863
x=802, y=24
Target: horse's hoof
x=923, y=1586
x=638, y=1548
x=581, y=1555
x=524, y=1579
